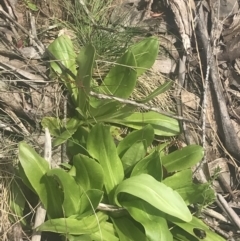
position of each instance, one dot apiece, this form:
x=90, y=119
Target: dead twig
x=214, y=214
x=222, y=203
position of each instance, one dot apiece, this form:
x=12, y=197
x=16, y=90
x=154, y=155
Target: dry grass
x=147, y=83
x=8, y=154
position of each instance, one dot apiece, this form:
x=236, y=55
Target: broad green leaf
x=86, y=225
x=128, y=230
x=135, y=153
x=35, y=169
x=162, y=125
x=71, y=127
x=62, y=49
x=155, y=193
x=77, y=144
x=89, y=202
x=161, y=89
x=151, y=165
x=53, y=124
x=71, y=190
x=145, y=52
x=121, y=79
x=105, y=233
x=85, y=61
x=189, y=191
x=155, y=225
x=199, y=224
x=145, y=134
x=89, y=173
x=101, y=146
x=182, y=159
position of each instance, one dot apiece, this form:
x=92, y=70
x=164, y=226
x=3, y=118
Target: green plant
x=119, y=82
x=152, y=186
x=146, y=191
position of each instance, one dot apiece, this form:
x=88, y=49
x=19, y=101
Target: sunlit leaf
x=163, y=125
x=121, y=79
x=145, y=52
x=85, y=61
x=62, y=49
x=101, y=146
x=182, y=159
x=35, y=169
x=155, y=193
x=73, y=226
